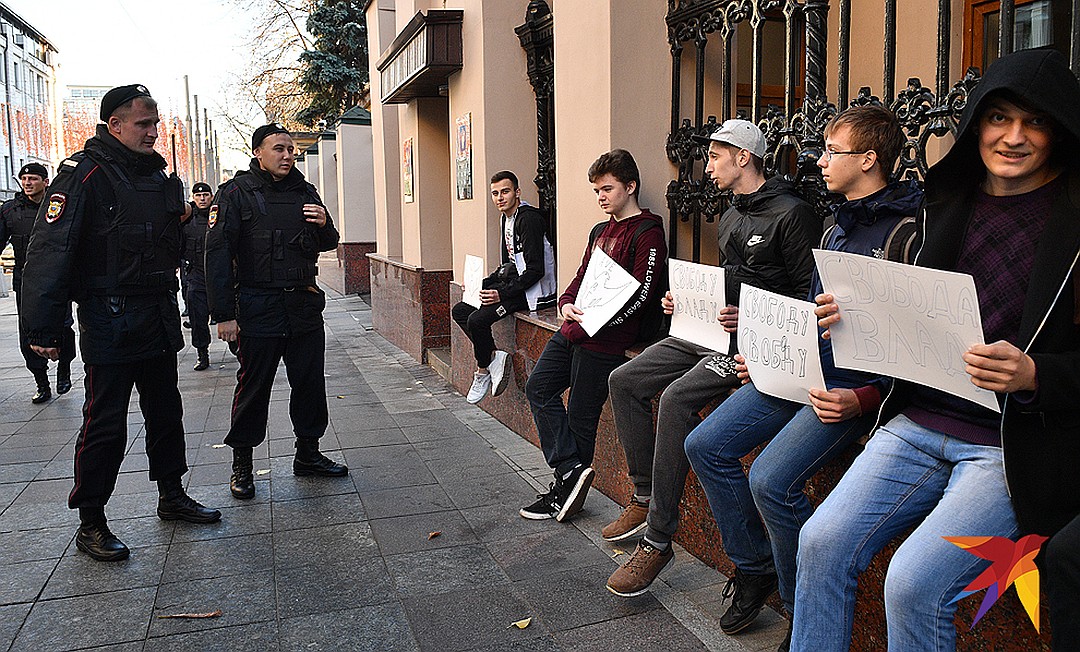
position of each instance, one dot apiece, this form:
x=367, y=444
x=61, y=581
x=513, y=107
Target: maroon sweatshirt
x=650, y=262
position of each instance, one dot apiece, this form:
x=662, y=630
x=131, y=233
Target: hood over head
x=1040, y=79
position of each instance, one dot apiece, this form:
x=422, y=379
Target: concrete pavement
x=327, y=564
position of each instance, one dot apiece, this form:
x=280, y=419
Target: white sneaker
x=480, y=385
x=500, y=364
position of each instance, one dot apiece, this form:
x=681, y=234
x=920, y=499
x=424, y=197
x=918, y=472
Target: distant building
x=29, y=115
x=80, y=116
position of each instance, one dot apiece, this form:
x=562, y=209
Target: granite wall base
x=410, y=305
x=1004, y=627
x=352, y=256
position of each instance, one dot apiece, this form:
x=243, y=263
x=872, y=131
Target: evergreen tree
x=335, y=72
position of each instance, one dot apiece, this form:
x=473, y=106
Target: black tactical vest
x=139, y=238
x=277, y=247
x=19, y=217
x=195, y=237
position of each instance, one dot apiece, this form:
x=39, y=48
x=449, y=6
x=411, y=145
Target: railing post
x=1006, y=25
x=888, y=92
x=844, y=67
x=816, y=44
x=943, y=47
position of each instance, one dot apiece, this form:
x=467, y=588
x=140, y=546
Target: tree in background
x=335, y=70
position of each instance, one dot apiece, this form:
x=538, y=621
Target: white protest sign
x=604, y=290
x=778, y=337
x=903, y=321
x=472, y=280
x=698, y=293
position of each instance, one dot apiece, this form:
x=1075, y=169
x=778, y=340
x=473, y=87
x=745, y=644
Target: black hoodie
x=1040, y=436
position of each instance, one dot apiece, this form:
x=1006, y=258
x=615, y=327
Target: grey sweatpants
x=689, y=376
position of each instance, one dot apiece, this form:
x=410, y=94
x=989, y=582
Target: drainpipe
x=6, y=29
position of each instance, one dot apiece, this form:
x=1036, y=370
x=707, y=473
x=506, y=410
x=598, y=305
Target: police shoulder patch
x=212, y=219
x=57, y=202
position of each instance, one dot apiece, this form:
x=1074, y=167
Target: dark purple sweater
x=999, y=252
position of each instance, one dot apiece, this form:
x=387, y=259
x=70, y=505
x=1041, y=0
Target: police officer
x=193, y=237
x=16, y=219
x=272, y=224
x=108, y=236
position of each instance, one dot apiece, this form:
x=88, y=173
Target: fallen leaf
x=209, y=614
x=341, y=397
x=218, y=446
x=262, y=471
x=522, y=624
x=432, y=535
x=617, y=552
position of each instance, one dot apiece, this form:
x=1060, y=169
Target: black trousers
x=102, y=440
x=304, y=356
x=1061, y=577
x=34, y=362
x=198, y=309
x=476, y=322
x=568, y=432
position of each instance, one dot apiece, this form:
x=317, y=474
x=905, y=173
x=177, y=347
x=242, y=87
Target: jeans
x=907, y=476
x=1061, y=577
x=568, y=432
x=689, y=376
x=801, y=444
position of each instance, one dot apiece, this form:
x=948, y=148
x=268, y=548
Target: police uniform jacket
x=193, y=239
x=16, y=220
x=108, y=237
x=261, y=254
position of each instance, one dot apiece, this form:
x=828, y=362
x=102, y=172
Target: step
x=439, y=360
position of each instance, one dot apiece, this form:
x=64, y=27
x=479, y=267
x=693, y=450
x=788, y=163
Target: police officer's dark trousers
x=34, y=362
x=198, y=311
x=304, y=355
x=102, y=440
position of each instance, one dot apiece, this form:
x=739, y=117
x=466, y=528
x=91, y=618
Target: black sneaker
x=544, y=507
x=747, y=594
x=572, y=492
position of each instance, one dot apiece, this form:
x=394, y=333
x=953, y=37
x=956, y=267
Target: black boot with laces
x=175, y=505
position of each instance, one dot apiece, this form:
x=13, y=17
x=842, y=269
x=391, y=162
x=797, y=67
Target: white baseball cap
x=738, y=133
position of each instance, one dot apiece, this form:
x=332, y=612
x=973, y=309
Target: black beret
x=34, y=168
x=120, y=95
x=266, y=130
x=201, y=187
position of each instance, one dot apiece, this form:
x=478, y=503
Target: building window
x=15, y=75
x=1037, y=23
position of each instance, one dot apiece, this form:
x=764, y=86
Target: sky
x=151, y=42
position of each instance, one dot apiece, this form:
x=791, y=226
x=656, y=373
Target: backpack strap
x=595, y=233
x=825, y=236
x=898, y=245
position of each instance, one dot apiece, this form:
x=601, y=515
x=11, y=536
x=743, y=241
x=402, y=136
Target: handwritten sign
x=473, y=280
x=778, y=337
x=604, y=290
x=906, y=322
x=698, y=293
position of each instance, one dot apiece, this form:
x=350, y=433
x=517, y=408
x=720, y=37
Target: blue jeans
x=801, y=444
x=907, y=476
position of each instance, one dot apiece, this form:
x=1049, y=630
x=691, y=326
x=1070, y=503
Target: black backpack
x=654, y=323
x=899, y=245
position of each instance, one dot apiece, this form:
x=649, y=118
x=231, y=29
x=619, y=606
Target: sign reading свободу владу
x=698, y=293
x=907, y=322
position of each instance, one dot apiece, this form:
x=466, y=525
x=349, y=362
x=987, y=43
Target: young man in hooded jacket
x=1002, y=206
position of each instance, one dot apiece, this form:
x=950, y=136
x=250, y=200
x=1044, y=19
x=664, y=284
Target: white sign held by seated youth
x=778, y=338
x=472, y=280
x=604, y=290
x=907, y=322
x=698, y=293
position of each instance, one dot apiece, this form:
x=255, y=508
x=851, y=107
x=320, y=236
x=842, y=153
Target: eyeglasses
x=828, y=154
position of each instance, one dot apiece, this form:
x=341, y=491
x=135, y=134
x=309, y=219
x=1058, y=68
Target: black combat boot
x=174, y=504
x=95, y=539
x=44, y=392
x=63, y=377
x=748, y=594
x=242, y=484
x=309, y=461
x=204, y=360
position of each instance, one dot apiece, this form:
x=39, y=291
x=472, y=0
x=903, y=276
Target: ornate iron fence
x=794, y=133
x=537, y=37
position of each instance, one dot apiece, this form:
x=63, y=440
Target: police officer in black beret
x=193, y=239
x=16, y=220
x=108, y=237
x=272, y=224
